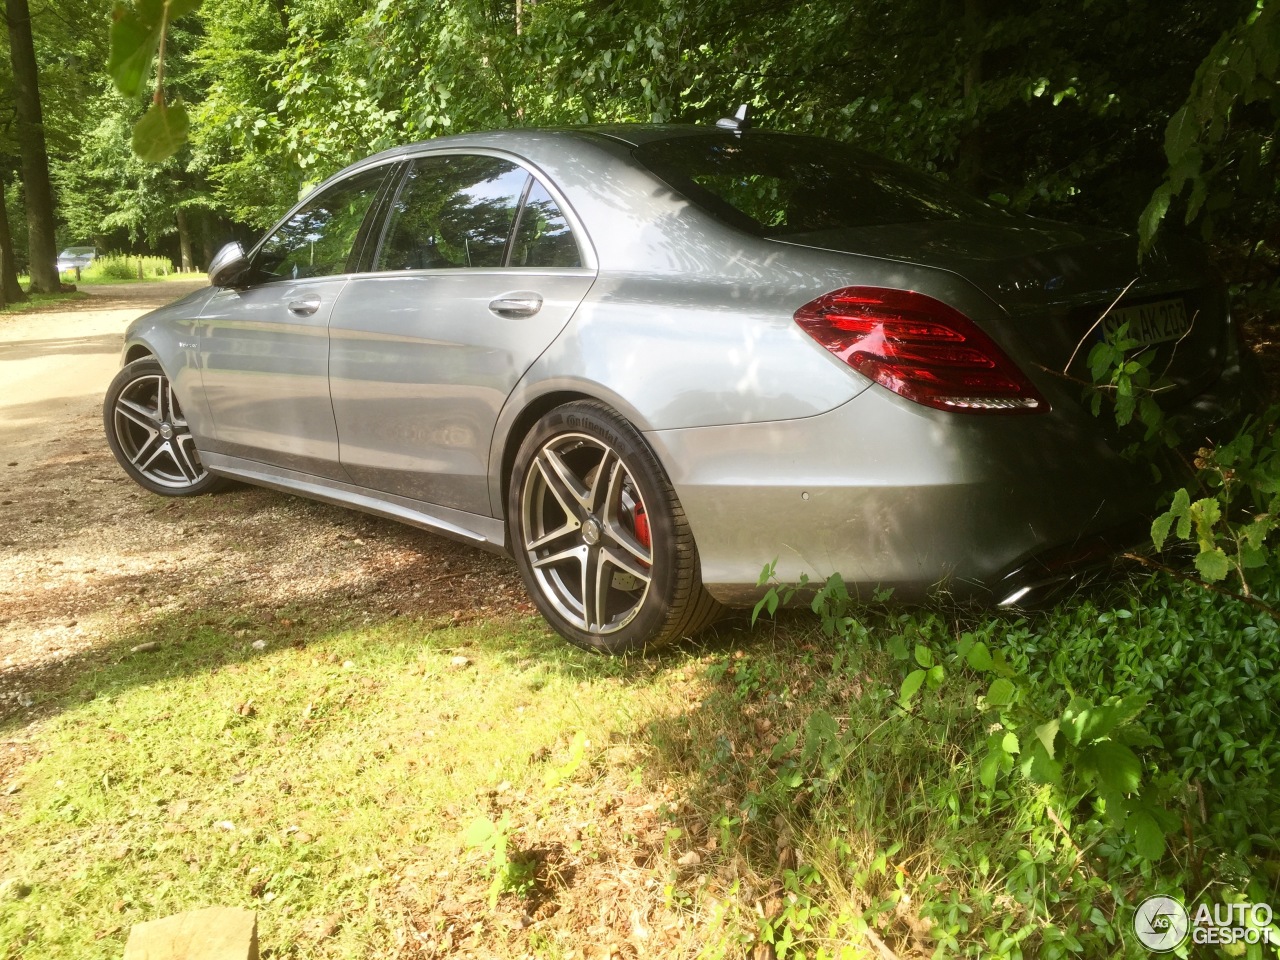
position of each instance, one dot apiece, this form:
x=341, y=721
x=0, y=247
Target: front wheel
x=149, y=435
x=599, y=534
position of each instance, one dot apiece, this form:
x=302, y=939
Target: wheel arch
x=519, y=417
x=138, y=351
x=519, y=429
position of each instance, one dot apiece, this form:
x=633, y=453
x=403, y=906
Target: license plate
x=1150, y=322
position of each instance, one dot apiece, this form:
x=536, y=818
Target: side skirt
x=484, y=532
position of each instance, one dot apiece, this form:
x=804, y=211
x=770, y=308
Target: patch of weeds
x=511, y=872
x=958, y=784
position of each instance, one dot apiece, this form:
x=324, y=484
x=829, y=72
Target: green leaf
x=924, y=656
x=1213, y=564
x=1082, y=722
x=1001, y=692
x=1149, y=222
x=1039, y=766
x=784, y=746
x=766, y=572
x=1206, y=513
x=911, y=684
x=979, y=657
x=1117, y=767
x=989, y=768
x=1047, y=733
x=1181, y=508
x=1010, y=743
x=479, y=833
x=1180, y=134
x=1160, y=529
x=161, y=132
x=1252, y=557
x=133, y=45
x=820, y=730
x=1148, y=838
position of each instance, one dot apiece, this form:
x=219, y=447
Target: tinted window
x=452, y=211
x=777, y=185
x=543, y=238
x=318, y=239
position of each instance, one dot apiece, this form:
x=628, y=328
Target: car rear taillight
x=919, y=348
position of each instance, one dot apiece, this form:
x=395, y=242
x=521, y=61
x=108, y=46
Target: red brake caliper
x=642, y=527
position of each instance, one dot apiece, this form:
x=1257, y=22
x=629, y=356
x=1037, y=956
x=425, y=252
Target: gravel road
x=89, y=561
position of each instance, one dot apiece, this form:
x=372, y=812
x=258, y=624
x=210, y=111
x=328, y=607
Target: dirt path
x=89, y=561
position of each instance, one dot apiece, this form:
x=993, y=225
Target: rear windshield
x=777, y=185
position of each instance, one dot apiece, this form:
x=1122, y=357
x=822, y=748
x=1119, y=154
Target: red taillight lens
x=919, y=348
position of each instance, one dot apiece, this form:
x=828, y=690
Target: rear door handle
x=516, y=305
x=305, y=306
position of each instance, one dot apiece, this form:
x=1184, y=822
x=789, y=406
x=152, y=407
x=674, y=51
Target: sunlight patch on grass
x=304, y=782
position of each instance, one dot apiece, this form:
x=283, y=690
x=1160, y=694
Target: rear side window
x=543, y=237
x=777, y=185
x=452, y=211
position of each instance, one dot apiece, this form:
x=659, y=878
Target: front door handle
x=305, y=306
x=516, y=305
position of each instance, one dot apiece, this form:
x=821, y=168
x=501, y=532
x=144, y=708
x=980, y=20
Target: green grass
x=40, y=301
x=300, y=781
x=119, y=268
x=761, y=784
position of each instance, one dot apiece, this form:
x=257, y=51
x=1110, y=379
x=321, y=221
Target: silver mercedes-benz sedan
x=648, y=360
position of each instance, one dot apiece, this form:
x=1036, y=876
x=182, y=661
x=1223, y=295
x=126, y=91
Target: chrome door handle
x=519, y=305
x=305, y=306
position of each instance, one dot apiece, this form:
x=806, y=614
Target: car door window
x=317, y=241
x=543, y=237
x=453, y=211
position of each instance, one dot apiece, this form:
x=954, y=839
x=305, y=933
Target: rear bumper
x=892, y=494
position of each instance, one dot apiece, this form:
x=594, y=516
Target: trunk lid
x=1053, y=282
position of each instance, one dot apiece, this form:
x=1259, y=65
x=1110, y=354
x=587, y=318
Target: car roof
x=631, y=134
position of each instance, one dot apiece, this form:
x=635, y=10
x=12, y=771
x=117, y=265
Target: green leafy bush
x=1056, y=769
x=117, y=267
x=1228, y=511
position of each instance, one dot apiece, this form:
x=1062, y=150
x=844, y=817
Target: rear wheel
x=149, y=435
x=599, y=534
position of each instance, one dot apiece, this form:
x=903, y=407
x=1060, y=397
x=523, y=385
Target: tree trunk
x=35, y=159
x=10, y=292
x=184, y=241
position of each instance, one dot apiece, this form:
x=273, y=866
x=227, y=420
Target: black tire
x=600, y=537
x=150, y=437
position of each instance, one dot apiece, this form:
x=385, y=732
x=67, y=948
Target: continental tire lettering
x=603, y=432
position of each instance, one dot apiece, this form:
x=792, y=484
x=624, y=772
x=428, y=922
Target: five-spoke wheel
x=149, y=435
x=599, y=534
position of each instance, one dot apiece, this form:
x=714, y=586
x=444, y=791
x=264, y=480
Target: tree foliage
x=1059, y=108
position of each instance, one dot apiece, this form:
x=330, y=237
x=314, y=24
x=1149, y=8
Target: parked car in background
x=73, y=257
x=648, y=360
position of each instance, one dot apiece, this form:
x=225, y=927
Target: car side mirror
x=228, y=266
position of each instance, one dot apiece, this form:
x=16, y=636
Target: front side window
x=317, y=240
x=453, y=211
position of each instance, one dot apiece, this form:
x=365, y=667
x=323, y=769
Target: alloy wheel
x=585, y=533
x=153, y=435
